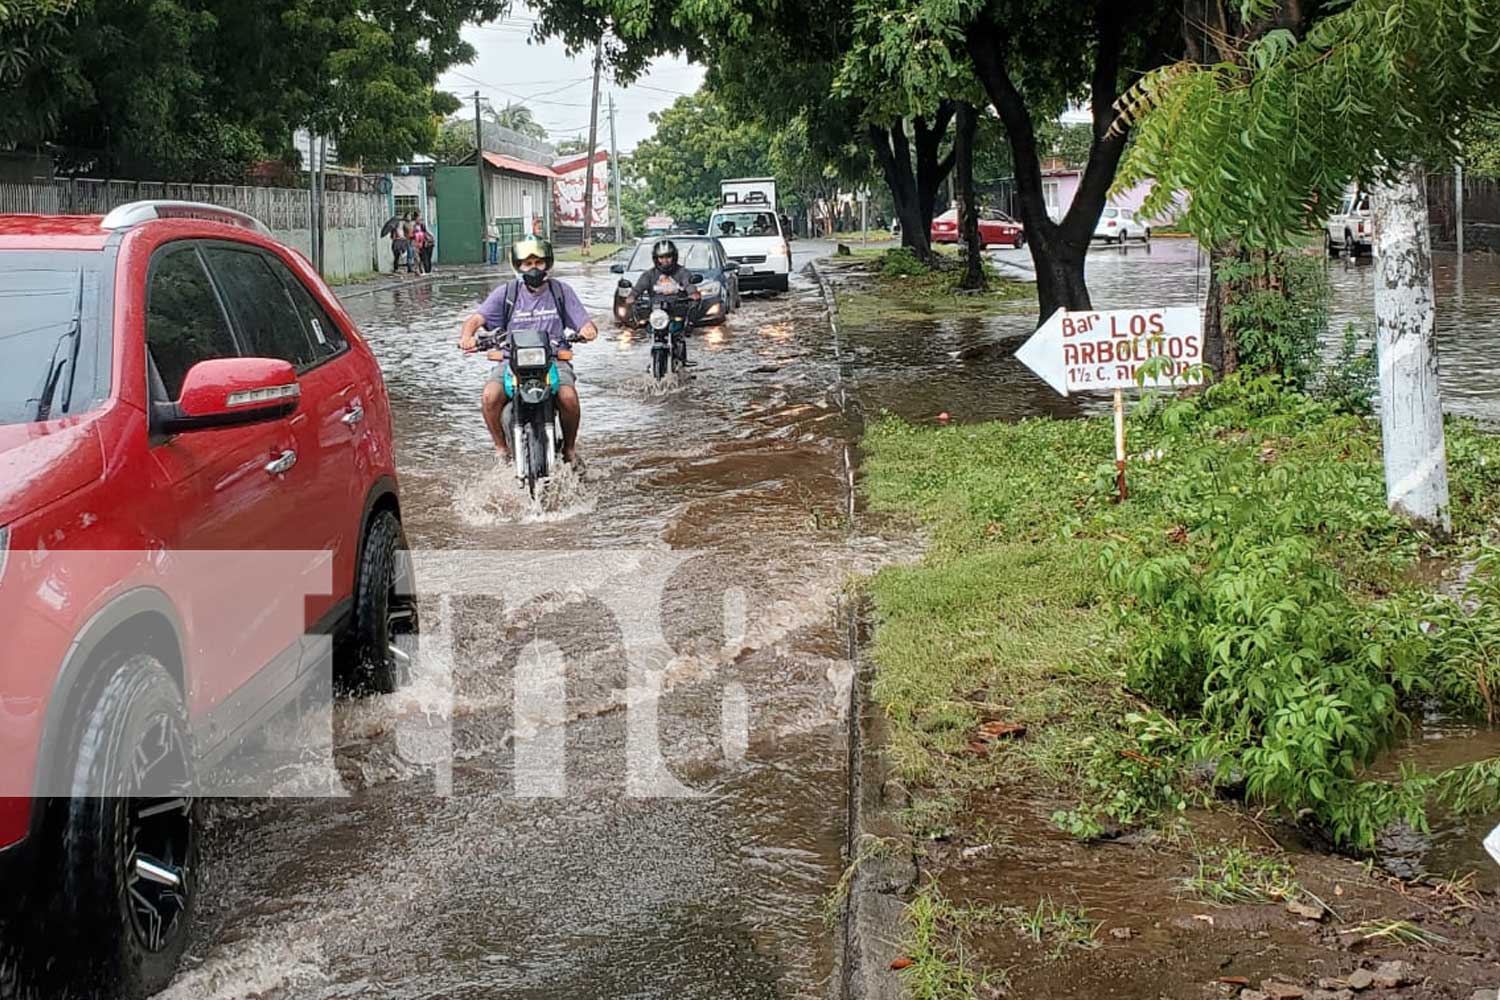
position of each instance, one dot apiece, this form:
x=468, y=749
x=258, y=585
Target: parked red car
x=995, y=229
x=198, y=515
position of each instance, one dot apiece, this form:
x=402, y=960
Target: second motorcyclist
x=667, y=273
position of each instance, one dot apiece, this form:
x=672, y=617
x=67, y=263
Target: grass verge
x=904, y=289
x=1252, y=605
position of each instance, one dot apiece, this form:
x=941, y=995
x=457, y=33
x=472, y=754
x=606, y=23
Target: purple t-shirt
x=537, y=310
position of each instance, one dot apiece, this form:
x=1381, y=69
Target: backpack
x=508, y=304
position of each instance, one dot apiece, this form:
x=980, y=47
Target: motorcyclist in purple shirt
x=534, y=302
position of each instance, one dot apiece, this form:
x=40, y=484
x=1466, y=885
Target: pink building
x=1060, y=184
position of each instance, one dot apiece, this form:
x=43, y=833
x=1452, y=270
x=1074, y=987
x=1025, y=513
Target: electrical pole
x=479, y=171
x=588, y=174
x=614, y=168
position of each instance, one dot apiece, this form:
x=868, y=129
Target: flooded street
x=724, y=501
x=970, y=370
x=717, y=514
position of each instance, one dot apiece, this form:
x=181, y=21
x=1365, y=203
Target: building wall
x=504, y=195
x=568, y=199
x=1067, y=189
x=351, y=241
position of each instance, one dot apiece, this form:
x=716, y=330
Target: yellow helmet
x=530, y=246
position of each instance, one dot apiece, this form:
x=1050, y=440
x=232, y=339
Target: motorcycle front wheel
x=533, y=450
x=659, y=362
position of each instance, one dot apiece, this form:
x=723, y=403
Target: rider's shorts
x=565, y=374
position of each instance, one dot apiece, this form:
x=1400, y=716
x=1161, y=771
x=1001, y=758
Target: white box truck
x=749, y=226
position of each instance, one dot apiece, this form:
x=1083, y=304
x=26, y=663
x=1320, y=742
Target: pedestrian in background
x=399, y=240
x=424, y=240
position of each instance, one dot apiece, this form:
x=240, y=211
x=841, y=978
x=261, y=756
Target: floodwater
x=648, y=799
x=967, y=368
x=640, y=680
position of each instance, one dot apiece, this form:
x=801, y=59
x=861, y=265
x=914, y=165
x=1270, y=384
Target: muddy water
x=966, y=367
x=686, y=585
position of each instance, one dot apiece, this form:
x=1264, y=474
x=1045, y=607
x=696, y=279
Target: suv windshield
x=743, y=224
x=49, y=334
x=695, y=255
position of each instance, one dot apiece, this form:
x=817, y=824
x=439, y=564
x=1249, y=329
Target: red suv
x=198, y=517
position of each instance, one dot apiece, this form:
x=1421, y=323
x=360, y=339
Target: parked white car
x=1116, y=225
x=1351, y=229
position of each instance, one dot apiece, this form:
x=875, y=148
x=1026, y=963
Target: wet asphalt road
x=550, y=861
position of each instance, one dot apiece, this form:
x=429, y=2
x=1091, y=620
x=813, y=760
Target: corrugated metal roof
x=515, y=166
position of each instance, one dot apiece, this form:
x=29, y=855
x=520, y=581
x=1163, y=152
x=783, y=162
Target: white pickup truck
x=747, y=223
x=1351, y=229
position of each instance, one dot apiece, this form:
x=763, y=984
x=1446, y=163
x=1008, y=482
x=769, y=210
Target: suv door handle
x=281, y=463
x=355, y=415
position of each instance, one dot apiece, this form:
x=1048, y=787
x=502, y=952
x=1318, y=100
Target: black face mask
x=534, y=276
x=666, y=267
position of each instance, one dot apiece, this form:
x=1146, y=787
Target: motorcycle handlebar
x=495, y=341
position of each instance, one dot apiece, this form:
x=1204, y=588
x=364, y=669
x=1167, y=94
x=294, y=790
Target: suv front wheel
x=385, y=608
x=129, y=845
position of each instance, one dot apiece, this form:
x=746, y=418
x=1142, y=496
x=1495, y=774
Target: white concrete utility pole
x=1411, y=409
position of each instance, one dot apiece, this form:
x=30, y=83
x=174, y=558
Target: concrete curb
x=870, y=932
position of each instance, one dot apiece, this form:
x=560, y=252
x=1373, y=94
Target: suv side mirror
x=230, y=392
x=617, y=268
x=697, y=278
x=731, y=265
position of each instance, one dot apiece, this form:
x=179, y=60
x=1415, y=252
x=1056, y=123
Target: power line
x=515, y=97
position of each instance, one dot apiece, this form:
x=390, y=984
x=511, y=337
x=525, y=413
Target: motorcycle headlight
x=659, y=319
x=709, y=288
x=531, y=357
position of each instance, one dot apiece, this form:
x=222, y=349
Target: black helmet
x=665, y=248
x=530, y=246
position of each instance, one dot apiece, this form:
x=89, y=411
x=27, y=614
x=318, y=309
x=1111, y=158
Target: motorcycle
x=530, y=385
x=668, y=314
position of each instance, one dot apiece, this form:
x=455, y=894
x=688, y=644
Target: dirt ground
x=1156, y=938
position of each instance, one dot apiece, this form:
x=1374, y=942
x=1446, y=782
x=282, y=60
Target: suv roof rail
x=135, y=212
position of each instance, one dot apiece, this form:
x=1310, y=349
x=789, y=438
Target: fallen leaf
x=1311, y=912
x=901, y=963
x=997, y=730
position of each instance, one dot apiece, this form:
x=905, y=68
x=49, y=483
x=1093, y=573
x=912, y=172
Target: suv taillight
x=15, y=813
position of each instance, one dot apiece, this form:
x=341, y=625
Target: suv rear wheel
x=385, y=608
x=127, y=880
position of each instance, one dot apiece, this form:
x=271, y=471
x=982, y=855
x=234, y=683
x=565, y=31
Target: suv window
x=264, y=316
x=184, y=322
x=326, y=337
x=49, y=365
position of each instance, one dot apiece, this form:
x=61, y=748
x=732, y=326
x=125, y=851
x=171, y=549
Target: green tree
x=1267, y=136
x=697, y=143
x=1031, y=59
x=198, y=89
x=519, y=118
x=455, y=140
x=572, y=147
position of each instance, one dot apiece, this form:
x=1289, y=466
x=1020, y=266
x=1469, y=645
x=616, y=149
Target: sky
x=510, y=67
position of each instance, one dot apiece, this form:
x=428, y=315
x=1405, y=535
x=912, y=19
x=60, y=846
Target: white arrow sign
x=1092, y=351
